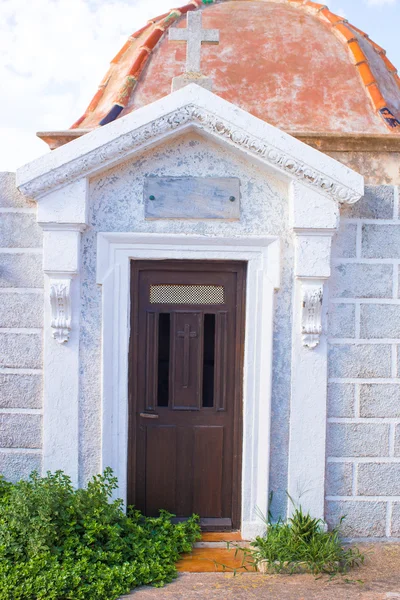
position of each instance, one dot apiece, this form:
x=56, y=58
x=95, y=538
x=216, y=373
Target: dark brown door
x=186, y=358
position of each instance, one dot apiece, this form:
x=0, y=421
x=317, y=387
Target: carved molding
x=311, y=322
x=60, y=301
x=275, y=157
x=120, y=148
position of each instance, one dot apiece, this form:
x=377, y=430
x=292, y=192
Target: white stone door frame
x=262, y=255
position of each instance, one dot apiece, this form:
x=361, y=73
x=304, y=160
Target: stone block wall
x=21, y=322
x=363, y=442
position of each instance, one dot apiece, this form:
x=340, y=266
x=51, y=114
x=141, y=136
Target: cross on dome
x=195, y=36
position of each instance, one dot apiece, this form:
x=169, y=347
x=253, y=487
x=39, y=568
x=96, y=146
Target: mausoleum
x=199, y=285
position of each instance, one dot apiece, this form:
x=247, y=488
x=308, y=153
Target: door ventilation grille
x=187, y=294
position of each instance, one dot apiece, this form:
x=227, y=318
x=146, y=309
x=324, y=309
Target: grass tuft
x=303, y=543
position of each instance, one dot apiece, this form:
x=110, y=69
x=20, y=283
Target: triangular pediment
x=191, y=108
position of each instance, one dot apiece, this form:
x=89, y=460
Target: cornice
x=120, y=148
x=325, y=142
x=349, y=142
x=55, y=139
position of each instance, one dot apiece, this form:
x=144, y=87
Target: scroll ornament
x=60, y=300
x=312, y=296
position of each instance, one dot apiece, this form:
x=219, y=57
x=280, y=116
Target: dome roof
x=292, y=63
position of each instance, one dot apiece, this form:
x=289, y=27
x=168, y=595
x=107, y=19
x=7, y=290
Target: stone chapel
x=199, y=285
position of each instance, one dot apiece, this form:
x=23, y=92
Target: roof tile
x=124, y=94
x=360, y=31
x=358, y=54
x=366, y=74
x=376, y=46
x=313, y=7
x=139, y=62
x=389, y=64
x=344, y=32
x=153, y=38
x=331, y=17
x=376, y=96
x=187, y=7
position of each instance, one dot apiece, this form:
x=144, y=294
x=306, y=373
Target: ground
x=377, y=579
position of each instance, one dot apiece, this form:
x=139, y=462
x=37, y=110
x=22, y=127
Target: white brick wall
x=21, y=317
x=363, y=445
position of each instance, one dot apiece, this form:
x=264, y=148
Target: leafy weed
x=58, y=543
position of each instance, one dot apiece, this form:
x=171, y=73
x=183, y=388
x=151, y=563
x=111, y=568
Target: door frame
x=262, y=255
x=193, y=266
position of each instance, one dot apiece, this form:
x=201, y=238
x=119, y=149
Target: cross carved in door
x=186, y=334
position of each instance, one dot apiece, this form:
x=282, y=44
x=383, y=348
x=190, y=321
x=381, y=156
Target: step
x=211, y=554
x=221, y=536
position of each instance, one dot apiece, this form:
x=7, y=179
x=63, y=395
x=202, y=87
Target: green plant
x=60, y=543
x=301, y=543
x=304, y=527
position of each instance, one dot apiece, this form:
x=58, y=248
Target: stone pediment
x=191, y=108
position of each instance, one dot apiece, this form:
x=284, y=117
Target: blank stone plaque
x=192, y=198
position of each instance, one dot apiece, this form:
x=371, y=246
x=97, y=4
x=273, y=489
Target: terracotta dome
x=292, y=63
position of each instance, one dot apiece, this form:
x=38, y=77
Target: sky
x=53, y=54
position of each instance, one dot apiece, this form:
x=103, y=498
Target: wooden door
x=186, y=355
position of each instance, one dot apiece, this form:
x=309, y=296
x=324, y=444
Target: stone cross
x=194, y=35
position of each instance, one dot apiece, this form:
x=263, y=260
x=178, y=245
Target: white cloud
x=53, y=55
x=380, y=2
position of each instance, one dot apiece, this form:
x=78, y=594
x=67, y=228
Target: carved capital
x=60, y=301
x=311, y=322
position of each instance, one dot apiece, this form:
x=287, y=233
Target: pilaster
x=314, y=219
x=62, y=216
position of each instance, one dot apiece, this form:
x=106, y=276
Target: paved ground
x=378, y=579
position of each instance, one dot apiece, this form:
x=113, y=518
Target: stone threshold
x=211, y=554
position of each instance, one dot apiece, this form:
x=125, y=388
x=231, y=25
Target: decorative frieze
x=311, y=324
x=60, y=301
x=275, y=157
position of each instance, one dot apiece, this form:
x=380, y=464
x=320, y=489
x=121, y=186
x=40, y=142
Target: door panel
x=185, y=470
x=208, y=461
x=160, y=468
x=186, y=360
x=185, y=388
